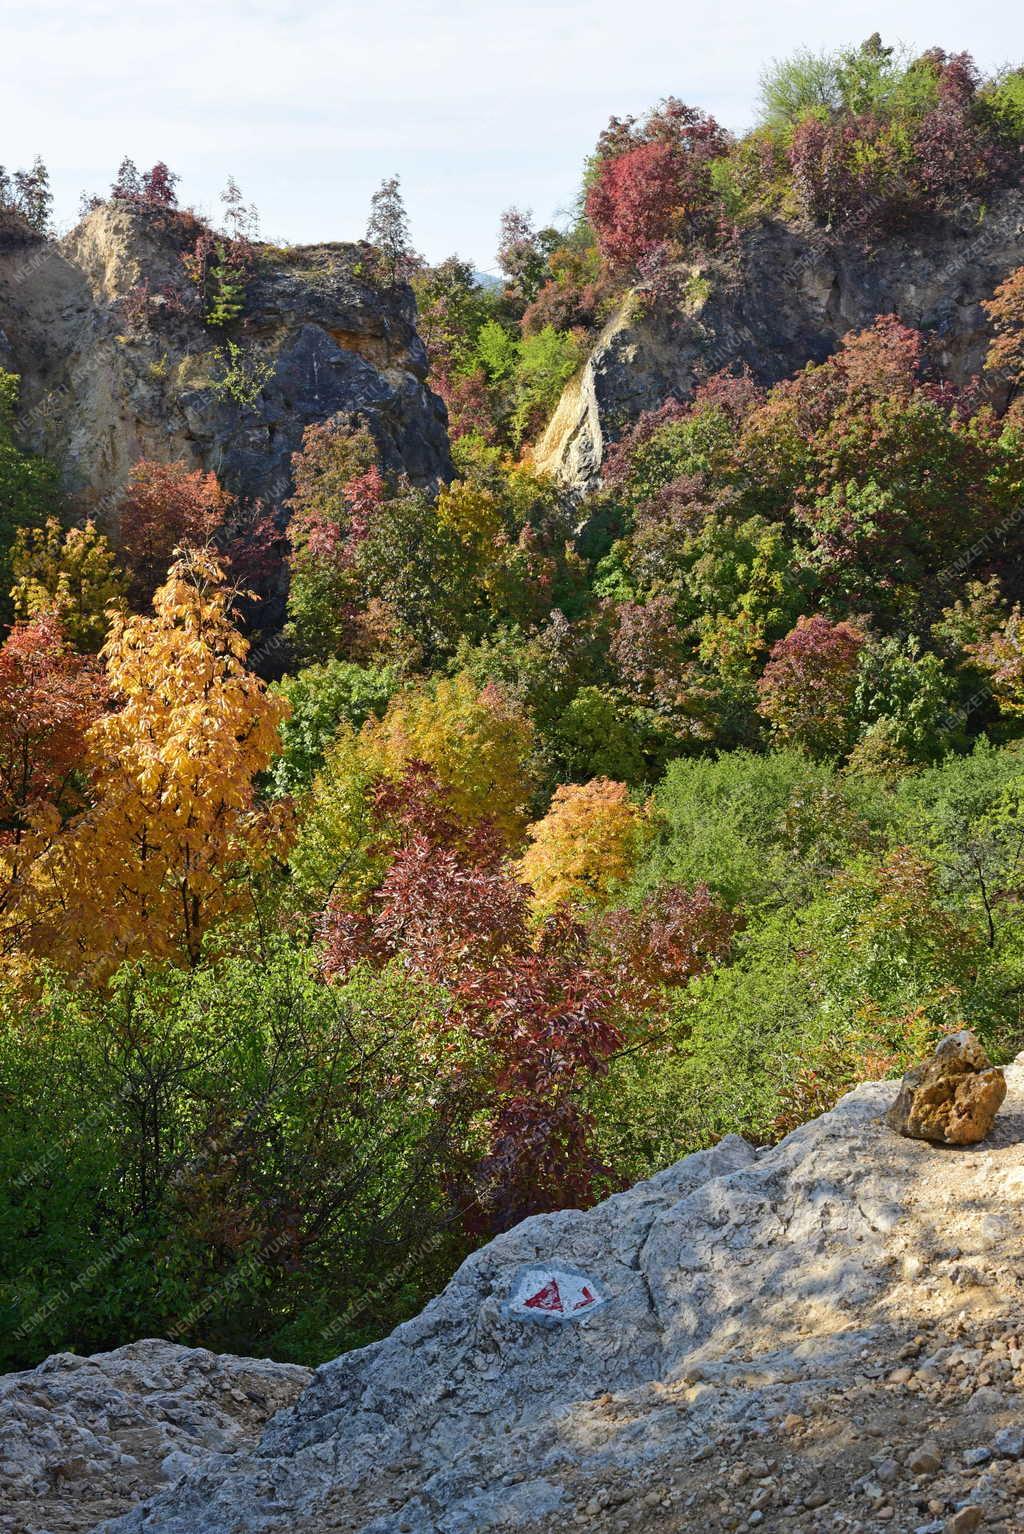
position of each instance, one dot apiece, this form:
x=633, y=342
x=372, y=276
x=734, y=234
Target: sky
x=475, y=106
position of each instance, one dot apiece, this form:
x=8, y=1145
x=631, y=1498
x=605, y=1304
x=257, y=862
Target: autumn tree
x=673, y=934
x=1006, y=312
x=808, y=686
x=50, y=698
x=418, y=585
x=159, y=858
x=584, y=847
x=999, y=654
x=165, y=505
x=652, y=181
x=72, y=572
x=477, y=740
x=154, y=188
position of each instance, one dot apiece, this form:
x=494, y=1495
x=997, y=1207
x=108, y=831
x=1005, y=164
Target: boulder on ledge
x=952, y=1098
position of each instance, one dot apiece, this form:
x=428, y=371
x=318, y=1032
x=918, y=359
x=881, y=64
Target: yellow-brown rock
x=952, y=1098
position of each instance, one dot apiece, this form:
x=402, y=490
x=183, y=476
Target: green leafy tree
x=388, y=232
x=910, y=693
x=322, y=699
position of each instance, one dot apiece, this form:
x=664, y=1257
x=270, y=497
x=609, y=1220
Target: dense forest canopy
x=575, y=834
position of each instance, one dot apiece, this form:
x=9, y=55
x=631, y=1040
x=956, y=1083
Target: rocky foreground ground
x=825, y=1336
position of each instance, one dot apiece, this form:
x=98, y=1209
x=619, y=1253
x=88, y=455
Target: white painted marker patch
x=552, y=1293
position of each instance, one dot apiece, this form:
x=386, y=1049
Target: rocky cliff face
x=111, y=374
x=783, y=299
x=825, y=1335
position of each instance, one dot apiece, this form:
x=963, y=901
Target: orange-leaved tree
x=163, y=853
x=584, y=847
x=1006, y=311
x=165, y=505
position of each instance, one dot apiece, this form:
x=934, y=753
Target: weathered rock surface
x=951, y=1099
x=84, y=1438
x=784, y=299
x=99, y=391
x=825, y=1335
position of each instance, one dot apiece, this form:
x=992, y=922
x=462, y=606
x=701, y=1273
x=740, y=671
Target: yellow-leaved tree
x=478, y=744
x=71, y=572
x=478, y=741
x=585, y=846
x=162, y=854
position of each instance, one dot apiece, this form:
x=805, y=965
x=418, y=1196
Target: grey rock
x=1008, y=1443
x=94, y=1432
x=784, y=299
x=98, y=393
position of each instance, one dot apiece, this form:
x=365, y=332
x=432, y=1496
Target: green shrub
x=720, y=821
x=242, y=1158
x=324, y=697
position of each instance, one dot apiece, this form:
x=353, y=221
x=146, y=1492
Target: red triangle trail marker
x=553, y=1292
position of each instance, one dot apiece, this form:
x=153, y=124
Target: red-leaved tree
x=163, y=506
x=49, y=697
x=806, y=691
x=653, y=183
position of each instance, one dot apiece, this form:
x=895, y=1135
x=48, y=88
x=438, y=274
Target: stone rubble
x=82, y=1439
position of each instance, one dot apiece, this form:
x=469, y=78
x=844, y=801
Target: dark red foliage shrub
x=254, y=547
x=153, y=188
x=144, y=306
x=435, y=911
x=807, y=688
x=650, y=652
x=955, y=153
x=563, y=307
x=470, y=402
x=547, y=1009
x=735, y=393
x=672, y=936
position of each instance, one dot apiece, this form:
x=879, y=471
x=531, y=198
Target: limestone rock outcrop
x=102, y=389
x=82, y=1439
x=801, y=1337
x=784, y=298
x=951, y=1098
